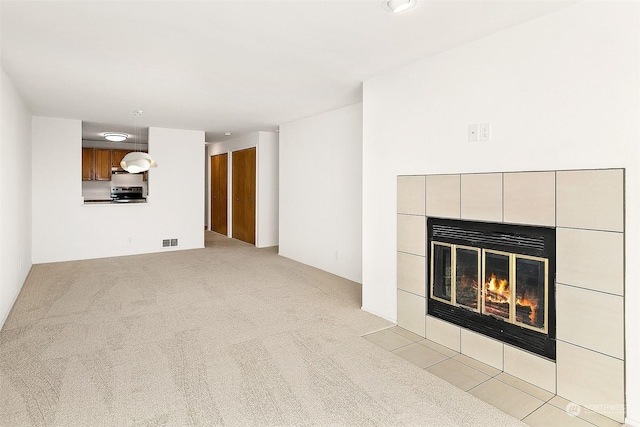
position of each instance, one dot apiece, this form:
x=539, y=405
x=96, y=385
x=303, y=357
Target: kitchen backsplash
x=101, y=190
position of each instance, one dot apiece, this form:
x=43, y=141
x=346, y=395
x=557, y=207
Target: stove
x=127, y=195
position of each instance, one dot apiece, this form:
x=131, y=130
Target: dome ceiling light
x=115, y=136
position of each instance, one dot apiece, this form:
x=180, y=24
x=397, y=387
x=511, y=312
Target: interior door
x=219, y=193
x=243, y=175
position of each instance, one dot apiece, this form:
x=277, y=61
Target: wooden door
x=219, y=193
x=243, y=175
x=102, y=164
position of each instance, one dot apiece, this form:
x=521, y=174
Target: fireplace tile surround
x=587, y=209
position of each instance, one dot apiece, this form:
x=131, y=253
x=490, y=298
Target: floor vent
x=166, y=243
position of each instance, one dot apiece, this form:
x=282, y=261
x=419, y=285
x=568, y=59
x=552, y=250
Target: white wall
x=65, y=229
x=268, y=193
x=266, y=144
x=321, y=192
x=561, y=92
x=15, y=194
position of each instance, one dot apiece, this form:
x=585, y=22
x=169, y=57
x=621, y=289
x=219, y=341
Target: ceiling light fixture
x=397, y=6
x=227, y=134
x=115, y=136
x=137, y=161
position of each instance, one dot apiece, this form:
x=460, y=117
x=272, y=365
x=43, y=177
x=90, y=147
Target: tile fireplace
x=523, y=271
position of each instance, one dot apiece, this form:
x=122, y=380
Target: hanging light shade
x=398, y=6
x=137, y=161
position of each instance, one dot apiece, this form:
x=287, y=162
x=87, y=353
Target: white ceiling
x=226, y=66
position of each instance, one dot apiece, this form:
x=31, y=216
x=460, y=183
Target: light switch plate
x=485, y=131
x=472, y=134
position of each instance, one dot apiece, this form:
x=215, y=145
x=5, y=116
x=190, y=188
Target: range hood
x=117, y=170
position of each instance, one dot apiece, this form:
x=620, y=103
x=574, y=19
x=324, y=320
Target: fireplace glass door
x=513, y=286
x=494, y=279
x=497, y=295
x=531, y=298
x=441, y=266
x=467, y=274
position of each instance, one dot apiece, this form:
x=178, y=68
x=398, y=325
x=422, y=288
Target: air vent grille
x=166, y=243
x=484, y=238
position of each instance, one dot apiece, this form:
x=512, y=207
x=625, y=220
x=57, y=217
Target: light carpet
x=226, y=335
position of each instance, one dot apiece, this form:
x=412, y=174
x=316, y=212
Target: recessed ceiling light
x=397, y=6
x=227, y=134
x=115, y=136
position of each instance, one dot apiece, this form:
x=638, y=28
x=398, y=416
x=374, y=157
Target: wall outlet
x=472, y=133
x=485, y=131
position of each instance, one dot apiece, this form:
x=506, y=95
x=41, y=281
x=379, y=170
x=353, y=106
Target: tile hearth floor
x=530, y=404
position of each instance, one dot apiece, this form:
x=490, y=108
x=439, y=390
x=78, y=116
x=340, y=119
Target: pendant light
x=137, y=161
x=397, y=6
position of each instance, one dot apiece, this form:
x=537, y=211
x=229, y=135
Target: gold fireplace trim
x=482, y=285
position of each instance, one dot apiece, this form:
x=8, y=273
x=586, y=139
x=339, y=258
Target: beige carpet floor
x=226, y=335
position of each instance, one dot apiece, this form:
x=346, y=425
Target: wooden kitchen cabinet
x=87, y=164
x=117, y=156
x=96, y=164
x=102, y=164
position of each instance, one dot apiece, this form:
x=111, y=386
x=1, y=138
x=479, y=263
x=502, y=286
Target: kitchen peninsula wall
x=64, y=229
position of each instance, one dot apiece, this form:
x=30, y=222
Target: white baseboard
x=368, y=310
x=14, y=298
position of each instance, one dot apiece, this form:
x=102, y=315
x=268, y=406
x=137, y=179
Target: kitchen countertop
x=110, y=202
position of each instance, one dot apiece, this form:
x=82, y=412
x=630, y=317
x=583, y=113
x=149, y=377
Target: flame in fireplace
x=498, y=289
x=532, y=303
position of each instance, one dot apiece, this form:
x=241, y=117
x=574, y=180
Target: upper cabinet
x=96, y=164
x=87, y=164
x=116, y=157
x=102, y=162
